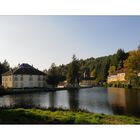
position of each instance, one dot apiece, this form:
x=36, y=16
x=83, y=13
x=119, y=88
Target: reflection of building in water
x=116, y=96
x=117, y=100
x=73, y=99
x=7, y=101
x=11, y=101
x=123, y=101
x=18, y=100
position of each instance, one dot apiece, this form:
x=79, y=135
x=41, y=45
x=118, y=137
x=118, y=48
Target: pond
x=97, y=99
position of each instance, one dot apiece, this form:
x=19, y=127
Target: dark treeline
x=4, y=66
x=99, y=68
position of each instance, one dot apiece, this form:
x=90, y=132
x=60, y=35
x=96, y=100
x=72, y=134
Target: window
x=21, y=85
x=30, y=78
x=44, y=78
x=16, y=85
x=39, y=84
x=39, y=77
x=16, y=78
x=21, y=78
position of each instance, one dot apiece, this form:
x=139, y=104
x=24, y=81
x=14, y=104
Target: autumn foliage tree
x=132, y=63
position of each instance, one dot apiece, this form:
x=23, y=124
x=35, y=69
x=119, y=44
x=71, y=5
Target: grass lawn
x=42, y=116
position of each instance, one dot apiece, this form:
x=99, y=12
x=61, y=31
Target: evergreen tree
x=4, y=67
x=73, y=72
x=121, y=56
x=52, y=76
x=112, y=69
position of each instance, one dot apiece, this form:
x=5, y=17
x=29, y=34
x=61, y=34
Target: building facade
x=25, y=76
x=117, y=77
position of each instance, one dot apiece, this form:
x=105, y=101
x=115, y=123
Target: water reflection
x=73, y=99
x=62, y=100
x=124, y=101
x=94, y=100
x=52, y=100
x=98, y=100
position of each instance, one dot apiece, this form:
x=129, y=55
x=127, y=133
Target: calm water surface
x=99, y=100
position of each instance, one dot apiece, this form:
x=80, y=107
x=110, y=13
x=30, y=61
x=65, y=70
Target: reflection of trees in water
x=132, y=102
x=73, y=99
x=52, y=99
x=120, y=110
x=124, y=101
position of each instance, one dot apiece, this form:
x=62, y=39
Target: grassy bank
x=40, y=116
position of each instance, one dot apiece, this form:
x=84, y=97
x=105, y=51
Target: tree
x=121, y=56
x=93, y=73
x=55, y=74
x=52, y=76
x=101, y=67
x=133, y=61
x=112, y=69
x=73, y=72
x=114, y=60
x=4, y=67
x=133, y=79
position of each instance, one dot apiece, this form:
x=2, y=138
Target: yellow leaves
x=133, y=61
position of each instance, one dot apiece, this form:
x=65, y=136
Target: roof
x=24, y=69
x=119, y=71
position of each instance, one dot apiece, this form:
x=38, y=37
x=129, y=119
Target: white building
x=25, y=76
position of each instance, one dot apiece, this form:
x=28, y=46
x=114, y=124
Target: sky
x=43, y=40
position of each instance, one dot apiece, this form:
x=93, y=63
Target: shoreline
x=34, y=90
